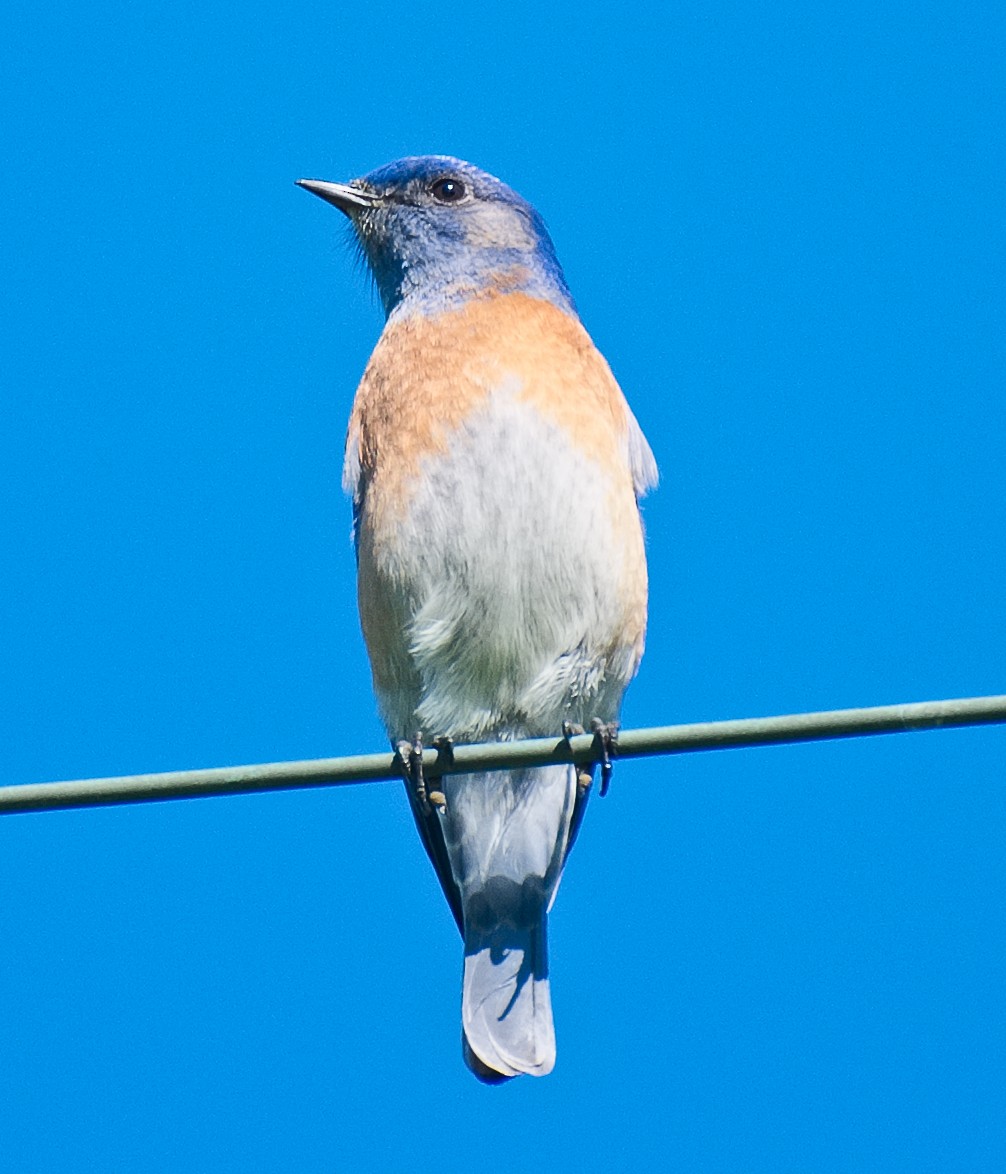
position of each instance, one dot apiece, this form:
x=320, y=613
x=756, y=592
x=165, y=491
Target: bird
x=495, y=470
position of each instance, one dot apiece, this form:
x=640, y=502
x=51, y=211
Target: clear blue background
x=784, y=227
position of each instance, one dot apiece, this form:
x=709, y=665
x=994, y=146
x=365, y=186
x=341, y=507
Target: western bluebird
x=495, y=469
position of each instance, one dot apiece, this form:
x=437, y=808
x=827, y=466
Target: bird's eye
x=448, y=190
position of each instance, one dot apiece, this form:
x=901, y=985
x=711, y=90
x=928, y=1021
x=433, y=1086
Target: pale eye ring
x=448, y=190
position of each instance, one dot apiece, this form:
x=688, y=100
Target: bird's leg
x=583, y=777
x=410, y=758
x=606, y=737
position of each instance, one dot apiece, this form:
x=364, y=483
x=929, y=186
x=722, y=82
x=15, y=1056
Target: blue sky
x=784, y=229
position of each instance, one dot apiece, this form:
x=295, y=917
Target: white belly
x=504, y=589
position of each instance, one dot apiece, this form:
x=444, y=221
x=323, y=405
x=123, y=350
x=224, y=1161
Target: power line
x=582, y=749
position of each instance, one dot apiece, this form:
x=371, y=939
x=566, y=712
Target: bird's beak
x=346, y=197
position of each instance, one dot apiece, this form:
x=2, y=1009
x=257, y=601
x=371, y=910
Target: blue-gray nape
x=439, y=231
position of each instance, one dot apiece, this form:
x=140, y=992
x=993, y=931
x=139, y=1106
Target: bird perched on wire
x=495, y=469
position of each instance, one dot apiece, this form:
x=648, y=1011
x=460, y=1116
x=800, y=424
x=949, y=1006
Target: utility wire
x=582, y=749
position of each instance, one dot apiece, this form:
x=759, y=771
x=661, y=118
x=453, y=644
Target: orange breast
x=428, y=374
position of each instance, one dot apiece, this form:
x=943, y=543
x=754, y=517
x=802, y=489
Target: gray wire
x=582, y=749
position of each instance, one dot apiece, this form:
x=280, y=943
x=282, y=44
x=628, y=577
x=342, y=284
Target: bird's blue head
x=437, y=231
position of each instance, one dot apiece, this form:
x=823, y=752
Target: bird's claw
x=606, y=738
x=410, y=759
x=445, y=749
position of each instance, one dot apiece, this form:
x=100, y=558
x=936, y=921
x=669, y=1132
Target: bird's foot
x=583, y=777
x=410, y=759
x=445, y=756
x=606, y=738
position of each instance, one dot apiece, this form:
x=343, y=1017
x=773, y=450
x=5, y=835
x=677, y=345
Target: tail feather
x=479, y=1070
x=506, y=1011
x=507, y=836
